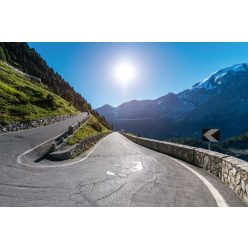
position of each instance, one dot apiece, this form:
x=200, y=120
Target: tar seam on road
x=217, y=196
x=54, y=166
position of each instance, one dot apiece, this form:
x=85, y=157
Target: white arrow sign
x=209, y=133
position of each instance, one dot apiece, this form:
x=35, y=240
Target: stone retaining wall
x=75, y=150
x=60, y=141
x=230, y=170
x=16, y=126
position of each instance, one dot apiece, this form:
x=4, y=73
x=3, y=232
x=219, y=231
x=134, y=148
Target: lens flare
x=125, y=73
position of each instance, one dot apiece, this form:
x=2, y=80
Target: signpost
x=210, y=135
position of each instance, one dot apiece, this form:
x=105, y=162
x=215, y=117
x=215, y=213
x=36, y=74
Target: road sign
x=211, y=135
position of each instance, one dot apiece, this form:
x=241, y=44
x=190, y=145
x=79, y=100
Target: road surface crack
x=10, y=196
x=113, y=192
x=28, y=186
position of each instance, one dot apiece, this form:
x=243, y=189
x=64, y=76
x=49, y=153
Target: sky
x=156, y=68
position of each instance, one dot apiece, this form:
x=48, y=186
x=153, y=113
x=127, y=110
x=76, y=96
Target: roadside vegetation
x=26, y=59
x=239, y=141
x=22, y=99
x=236, y=146
x=132, y=134
x=189, y=141
x=90, y=128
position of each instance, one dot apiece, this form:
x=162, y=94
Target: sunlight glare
x=125, y=73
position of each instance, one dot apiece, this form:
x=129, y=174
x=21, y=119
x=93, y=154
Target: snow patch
x=214, y=80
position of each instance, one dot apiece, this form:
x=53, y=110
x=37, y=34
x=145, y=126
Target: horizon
x=159, y=68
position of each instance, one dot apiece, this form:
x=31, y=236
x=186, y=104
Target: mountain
x=26, y=60
x=219, y=101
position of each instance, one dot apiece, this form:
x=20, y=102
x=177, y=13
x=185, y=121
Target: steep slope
x=20, y=55
x=26, y=59
x=23, y=99
x=220, y=101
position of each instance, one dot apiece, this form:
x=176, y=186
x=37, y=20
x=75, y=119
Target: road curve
x=115, y=172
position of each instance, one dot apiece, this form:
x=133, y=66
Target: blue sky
x=160, y=67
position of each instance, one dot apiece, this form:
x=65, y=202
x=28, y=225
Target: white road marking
x=138, y=166
x=215, y=193
x=110, y=173
x=217, y=196
x=20, y=156
x=55, y=166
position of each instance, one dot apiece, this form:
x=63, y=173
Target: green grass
x=90, y=128
x=132, y=134
x=24, y=100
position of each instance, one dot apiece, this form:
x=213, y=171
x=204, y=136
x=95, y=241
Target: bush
x=50, y=100
x=96, y=126
x=2, y=54
x=46, y=102
x=19, y=110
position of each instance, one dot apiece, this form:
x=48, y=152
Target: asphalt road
x=115, y=172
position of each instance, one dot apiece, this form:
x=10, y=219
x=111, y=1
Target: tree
x=50, y=101
x=2, y=54
x=20, y=55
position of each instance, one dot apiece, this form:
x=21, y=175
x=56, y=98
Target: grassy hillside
x=20, y=55
x=22, y=99
x=90, y=128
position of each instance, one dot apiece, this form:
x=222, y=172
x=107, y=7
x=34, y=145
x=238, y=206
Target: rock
x=234, y=171
x=238, y=179
x=246, y=188
x=232, y=186
x=205, y=163
x=245, y=198
x=233, y=179
x=36, y=123
x=243, y=185
x=238, y=190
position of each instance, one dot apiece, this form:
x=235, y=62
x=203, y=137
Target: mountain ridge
x=220, y=100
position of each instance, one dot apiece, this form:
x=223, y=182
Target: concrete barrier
x=230, y=170
x=73, y=128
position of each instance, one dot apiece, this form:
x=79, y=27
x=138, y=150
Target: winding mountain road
x=115, y=172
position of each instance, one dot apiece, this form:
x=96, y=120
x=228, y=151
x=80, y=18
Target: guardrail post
x=53, y=147
x=70, y=130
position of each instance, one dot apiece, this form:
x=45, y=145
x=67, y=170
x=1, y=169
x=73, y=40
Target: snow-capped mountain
x=217, y=78
x=220, y=100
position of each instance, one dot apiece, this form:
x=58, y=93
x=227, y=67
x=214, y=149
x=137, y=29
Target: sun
x=125, y=72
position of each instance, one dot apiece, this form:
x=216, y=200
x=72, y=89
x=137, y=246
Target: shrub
x=46, y=102
x=96, y=126
x=2, y=54
x=19, y=110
